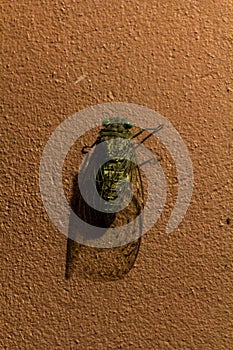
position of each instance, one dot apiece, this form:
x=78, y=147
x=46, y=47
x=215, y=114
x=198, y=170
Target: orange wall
x=174, y=57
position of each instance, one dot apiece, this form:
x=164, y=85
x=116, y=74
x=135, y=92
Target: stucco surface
x=174, y=57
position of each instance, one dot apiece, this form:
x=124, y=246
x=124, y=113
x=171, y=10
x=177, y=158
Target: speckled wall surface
x=174, y=57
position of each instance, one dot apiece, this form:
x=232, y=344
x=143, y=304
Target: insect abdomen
x=108, y=177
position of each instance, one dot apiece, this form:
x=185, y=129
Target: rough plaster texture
x=174, y=57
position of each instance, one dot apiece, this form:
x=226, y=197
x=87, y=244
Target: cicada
x=118, y=165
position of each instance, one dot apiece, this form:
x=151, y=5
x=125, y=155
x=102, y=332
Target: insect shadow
x=98, y=264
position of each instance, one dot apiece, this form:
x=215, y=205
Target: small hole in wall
x=228, y=221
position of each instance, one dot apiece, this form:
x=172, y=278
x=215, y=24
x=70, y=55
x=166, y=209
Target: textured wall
x=174, y=57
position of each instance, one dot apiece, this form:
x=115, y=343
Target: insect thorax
x=121, y=158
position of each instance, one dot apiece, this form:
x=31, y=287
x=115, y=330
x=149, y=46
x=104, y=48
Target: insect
x=118, y=166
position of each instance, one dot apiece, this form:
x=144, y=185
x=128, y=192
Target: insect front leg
x=84, y=147
x=152, y=133
x=151, y=160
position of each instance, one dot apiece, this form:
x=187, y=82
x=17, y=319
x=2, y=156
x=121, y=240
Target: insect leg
x=137, y=133
x=152, y=133
x=84, y=147
x=148, y=161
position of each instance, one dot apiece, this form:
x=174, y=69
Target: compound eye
x=128, y=125
x=106, y=122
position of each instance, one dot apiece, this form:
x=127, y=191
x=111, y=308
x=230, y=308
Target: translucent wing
x=111, y=263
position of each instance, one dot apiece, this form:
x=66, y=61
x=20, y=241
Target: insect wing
x=112, y=263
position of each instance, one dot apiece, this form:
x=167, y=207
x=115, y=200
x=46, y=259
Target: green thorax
x=121, y=154
x=115, y=128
